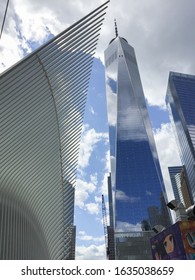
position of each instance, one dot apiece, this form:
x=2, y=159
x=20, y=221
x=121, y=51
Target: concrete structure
x=42, y=102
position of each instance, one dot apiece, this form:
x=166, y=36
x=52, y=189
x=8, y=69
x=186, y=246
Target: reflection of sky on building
x=136, y=178
x=127, y=227
x=181, y=103
x=111, y=90
x=135, y=168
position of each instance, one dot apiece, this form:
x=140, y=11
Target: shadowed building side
x=42, y=102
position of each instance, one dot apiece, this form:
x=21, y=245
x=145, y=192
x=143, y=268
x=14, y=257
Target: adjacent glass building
x=42, y=102
x=180, y=185
x=136, y=181
x=180, y=100
x=175, y=174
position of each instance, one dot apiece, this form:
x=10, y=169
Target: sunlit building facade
x=175, y=174
x=180, y=185
x=42, y=102
x=180, y=100
x=136, y=180
x=185, y=189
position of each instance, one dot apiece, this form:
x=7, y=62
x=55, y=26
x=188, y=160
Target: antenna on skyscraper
x=116, y=30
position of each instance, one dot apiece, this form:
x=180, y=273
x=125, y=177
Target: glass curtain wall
x=137, y=182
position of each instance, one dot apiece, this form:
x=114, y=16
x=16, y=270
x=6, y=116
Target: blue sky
x=161, y=34
x=88, y=217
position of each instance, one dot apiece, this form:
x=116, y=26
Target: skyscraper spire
x=116, y=30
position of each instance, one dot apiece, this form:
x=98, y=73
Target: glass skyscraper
x=180, y=100
x=136, y=181
x=173, y=172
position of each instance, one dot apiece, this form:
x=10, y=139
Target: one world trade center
x=136, y=189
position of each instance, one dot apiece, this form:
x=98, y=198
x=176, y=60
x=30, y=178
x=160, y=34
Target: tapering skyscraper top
x=116, y=32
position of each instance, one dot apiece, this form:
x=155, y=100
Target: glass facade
x=180, y=100
x=133, y=245
x=173, y=172
x=137, y=184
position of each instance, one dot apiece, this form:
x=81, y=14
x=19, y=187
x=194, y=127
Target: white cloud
x=92, y=110
x=98, y=199
x=121, y=196
x=81, y=232
x=82, y=194
x=92, y=252
x=88, y=143
x=25, y=24
x=94, y=179
x=92, y=208
x=148, y=193
x=82, y=191
x=113, y=169
x=83, y=236
x=127, y=227
x=112, y=104
x=167, y=46
x=131, y=125
x=167, y=152
x=107, y=160
x=33, y=21
x=104, y=188
x=36, y=28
